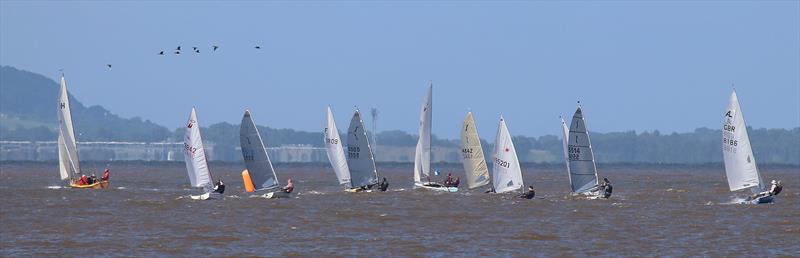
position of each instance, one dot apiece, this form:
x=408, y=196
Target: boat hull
x=98, y=185
x=206, y=196
x=435, y=188
x=276, y=195
x=763, y=200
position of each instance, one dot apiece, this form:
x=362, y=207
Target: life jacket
x=106, y=175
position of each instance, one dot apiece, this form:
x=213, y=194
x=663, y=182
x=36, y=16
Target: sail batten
x=195, y=155
x=579, y=155
x=259, y=166
x=335, y=151
x=507, y=174
x=740, y=163
x=422, y=154
x=472, y=155
x=360, y=159
x=68, y=162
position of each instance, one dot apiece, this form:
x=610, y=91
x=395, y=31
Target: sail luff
x=255, y=156
x=422, y=155
x=740, y=163
x=335, y=151
x=474, y=162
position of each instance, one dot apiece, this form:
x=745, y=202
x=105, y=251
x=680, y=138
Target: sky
x=633, y=65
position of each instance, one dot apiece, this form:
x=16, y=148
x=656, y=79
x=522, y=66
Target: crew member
x=219, y=187
x=289, y=186
x=106, y=175
x=529, y=194
x=384, y=185
x=607, y=188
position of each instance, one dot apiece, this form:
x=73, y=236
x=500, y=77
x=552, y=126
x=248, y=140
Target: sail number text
x=353, y=152
x=501, y=163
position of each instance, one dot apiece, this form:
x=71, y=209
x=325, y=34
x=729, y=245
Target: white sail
x=564, y=140
x=256, y=159
x=740, y=164
x=359, y=154
x=68, y=164
x=333, y=146
x=195, y=154
x=422, y=155
x=472, y=153
x=582, y=168
x=507, y=174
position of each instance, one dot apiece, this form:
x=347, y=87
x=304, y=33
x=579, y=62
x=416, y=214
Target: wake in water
x=54, y=187
x=735, y=200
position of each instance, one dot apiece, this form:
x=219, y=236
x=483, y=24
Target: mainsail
x=359, y=154
x=422, y=155
x=582, y=168
x=195, y=154
x=740, y=164
x=564, y=141
x=472, y=154
x=256, y=159
x=333, y=146
x=507, y=175
x=68, y=164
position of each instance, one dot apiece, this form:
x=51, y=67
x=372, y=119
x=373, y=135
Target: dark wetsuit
x=384, y=185
x=220, y=188
x=528, y=195
x=777, y=190
x=607, y=190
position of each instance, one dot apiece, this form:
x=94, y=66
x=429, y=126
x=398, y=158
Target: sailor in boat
x=774, y=189
x=83, y=180
x=289, y=186
x=384, y=185
x=455, y=183
x=449, y=181
x=106, y=175
x=529, y=194
x=92, y=179
x=490, y=190
x=607, y=188
x=219, y=187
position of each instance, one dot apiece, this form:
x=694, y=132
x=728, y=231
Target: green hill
x=28, y=112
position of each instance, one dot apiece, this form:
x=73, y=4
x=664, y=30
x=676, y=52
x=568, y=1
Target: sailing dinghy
x=422, y=155
x=68, y=163
x=579, y=157
x=507, y=174
x=360, y=160
x=740, y=164
x=333, y=147
x=260, y=175
x=195, y=157
x=472, y=153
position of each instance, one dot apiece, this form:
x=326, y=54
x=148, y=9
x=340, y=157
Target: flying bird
x=258, y=47
x=214, y=48
x=161, y=53
x=177, y=52
x=194, y=48
x=109, y=66
x=197, y=51
x=179, y=48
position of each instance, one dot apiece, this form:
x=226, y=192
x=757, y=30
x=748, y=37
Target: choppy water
x=671, y=210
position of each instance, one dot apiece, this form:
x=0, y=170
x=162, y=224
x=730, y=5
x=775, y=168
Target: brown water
x=670, y=210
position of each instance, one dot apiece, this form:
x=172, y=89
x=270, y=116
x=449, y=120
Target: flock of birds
x=195, y=49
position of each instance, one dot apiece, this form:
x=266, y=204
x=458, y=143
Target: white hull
x=206, y=196
x=436, y=188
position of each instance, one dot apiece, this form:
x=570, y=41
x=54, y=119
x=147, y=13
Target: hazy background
x=634, y=65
